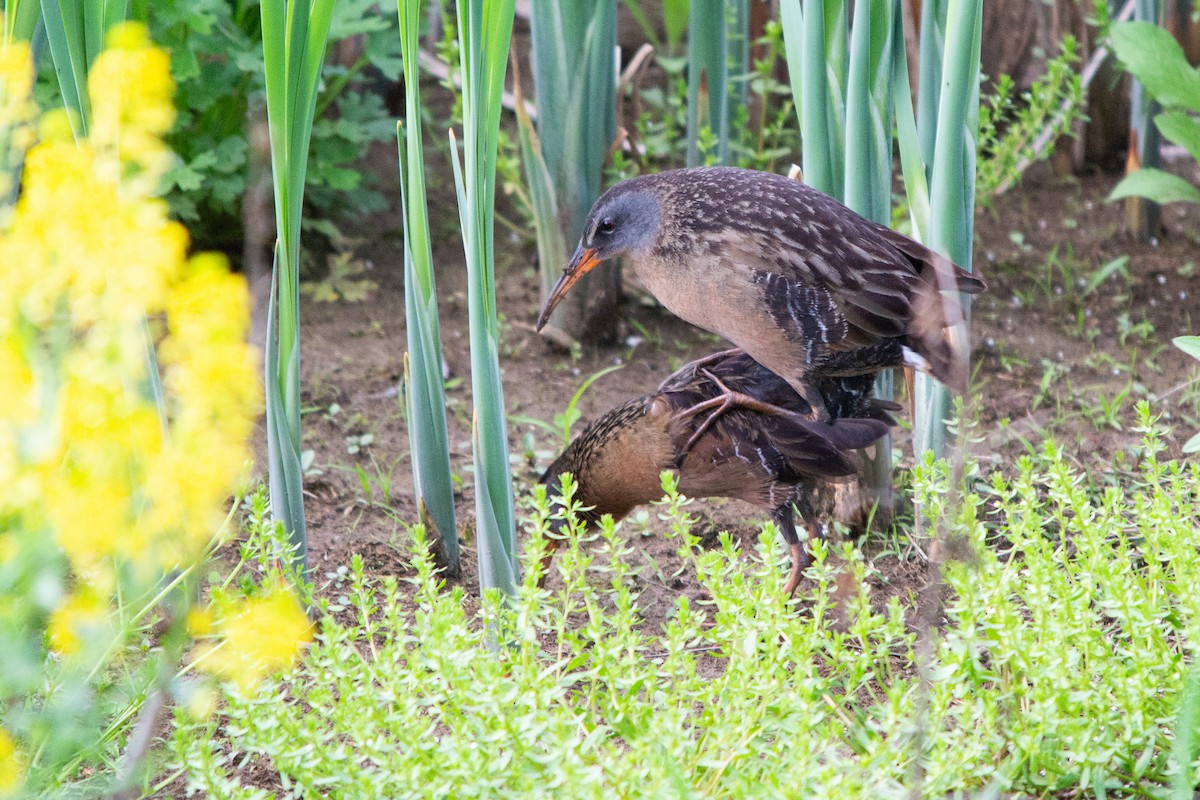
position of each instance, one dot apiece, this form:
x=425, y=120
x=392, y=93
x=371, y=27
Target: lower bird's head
x=625, y=219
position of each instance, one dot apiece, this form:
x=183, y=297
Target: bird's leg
x=801, y=559
x=801, y=556
x=816, y=403
x=719, y=405
x=692, y=367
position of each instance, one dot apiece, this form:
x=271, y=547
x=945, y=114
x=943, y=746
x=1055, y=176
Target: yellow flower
x=12, y=765
x=199, y=622
x=16, y=73
x=83, y=615
x=89, y=255
x=90, y=260
x=55, y=126
x=130, y=88
x=16, y=83
x=261, y=635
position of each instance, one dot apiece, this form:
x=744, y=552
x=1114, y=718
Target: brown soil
x=1047, y=354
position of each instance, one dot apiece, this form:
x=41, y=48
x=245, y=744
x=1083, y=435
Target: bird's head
x=624, y=220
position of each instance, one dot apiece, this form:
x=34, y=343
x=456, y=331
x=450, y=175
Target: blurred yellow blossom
x=90, y=254
x=199, y=622
x=260, y=635
x=16, y=112
x=200, y=702
x=131, y=89
x=55, y=126
x=16, y=81
x=12, y=765
x=105, y=488
x=83, y=613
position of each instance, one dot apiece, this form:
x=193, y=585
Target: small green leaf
x=1159, y=186
x=1189, y=345
x=1157, y=60
x=1182, y=129
x=184, y=64
x=1192, y=445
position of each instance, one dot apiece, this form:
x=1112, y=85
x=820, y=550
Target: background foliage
x=217, y=62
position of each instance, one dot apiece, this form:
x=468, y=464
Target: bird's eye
x=606, y=226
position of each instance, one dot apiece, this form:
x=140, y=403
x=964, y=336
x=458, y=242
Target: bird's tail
x=936, y=339
x=856, y=433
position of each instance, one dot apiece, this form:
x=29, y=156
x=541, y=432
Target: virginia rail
x=763, y=449
x=803, y=284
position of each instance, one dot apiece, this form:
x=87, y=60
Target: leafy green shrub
x=1058, y=668
x=1012, y=129
x=1153, y=56
x=217, y=63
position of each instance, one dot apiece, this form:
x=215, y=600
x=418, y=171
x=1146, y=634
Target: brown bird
x=763, y=449
x=803, y=284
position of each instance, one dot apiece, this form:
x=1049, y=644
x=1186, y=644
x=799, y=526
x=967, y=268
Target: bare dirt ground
x=1057, y=352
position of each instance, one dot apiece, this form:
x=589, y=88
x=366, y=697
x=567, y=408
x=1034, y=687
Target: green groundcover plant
x=1058, y=665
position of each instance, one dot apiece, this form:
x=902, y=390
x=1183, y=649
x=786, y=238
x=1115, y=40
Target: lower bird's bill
x=583, y=262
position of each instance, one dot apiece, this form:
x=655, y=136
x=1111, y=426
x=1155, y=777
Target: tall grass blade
x=424, y=392
x=867, y=179
x=551, y=245
x=285, y=475
x=868, y=134
x=484, y=30
x=574, y=71
x=791, y=20
x=20, y=19
x=952, y=188
x=294, y=35
x=737, y=63
x=66, y=34
x=932, y=38
x=707, y=56
x=916, y=182
x=822, y=102
x=718, y=58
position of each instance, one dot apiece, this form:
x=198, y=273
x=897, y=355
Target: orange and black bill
x=583, y=262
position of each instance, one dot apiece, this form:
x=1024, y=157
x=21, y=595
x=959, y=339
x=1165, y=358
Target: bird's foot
x=689, y=369
x=801, y=560
x=793, y=576
x=718, y=405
